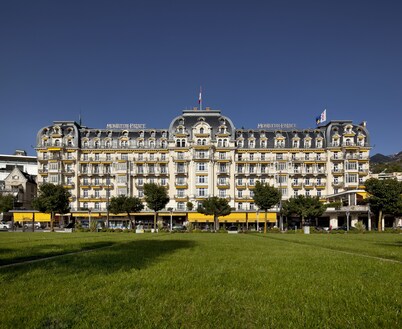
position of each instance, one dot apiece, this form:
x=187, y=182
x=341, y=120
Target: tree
x=215, y=206
x=126, y=204
x=265, y=197
x=52, y=199
x=156, y=197
x=6, y=202
x=304, y=207
x=385, y=197
x=189, y=205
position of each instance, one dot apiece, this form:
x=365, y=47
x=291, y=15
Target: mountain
x=389, y=163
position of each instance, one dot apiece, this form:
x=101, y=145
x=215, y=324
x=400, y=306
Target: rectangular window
x=202, y=179
x=202, y=192
x=222, y=193
x=201, y=166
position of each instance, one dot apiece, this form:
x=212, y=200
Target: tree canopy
x=303, y=207
x=156, y=197
x=385, y=197
x=265, y=197
x=52, y=199
x=215, y=206
x=6, y=202
x=126, y=204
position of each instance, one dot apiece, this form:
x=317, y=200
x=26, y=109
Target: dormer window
x=295, y=143
x=307, y=143
x=251, y=143
x=263, y=143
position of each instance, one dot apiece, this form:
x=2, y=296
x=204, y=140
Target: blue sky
x=144, y=61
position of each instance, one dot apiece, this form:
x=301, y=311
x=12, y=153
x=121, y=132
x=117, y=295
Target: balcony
x=69, y=172
x=181, y=171
x=178, y=197
x=181, y=185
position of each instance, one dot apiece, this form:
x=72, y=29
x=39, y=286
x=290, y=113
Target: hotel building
x=203, y=154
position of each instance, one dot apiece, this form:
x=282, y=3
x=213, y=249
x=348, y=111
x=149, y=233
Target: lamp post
x=369, y=217
x=107, y=199
x=258, y=225
x=347, y=219
x=280, y=216
x=171, y=219
x=89, y=219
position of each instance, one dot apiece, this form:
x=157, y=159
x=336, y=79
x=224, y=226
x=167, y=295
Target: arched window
x=96, y=144
x=183, y=143
x=224, y=143
x=152, y=144
x=178, y=143
x=204, y=142
x=219, y=142
x=108, y=144
x=201, y=130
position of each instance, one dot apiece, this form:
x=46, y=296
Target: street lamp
x=89, y=218
x=171, y=219
x=107, y=199
x=280, y=215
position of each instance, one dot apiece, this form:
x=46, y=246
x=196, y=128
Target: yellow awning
x=28, y=216
x=234, y=217
x=363, y=194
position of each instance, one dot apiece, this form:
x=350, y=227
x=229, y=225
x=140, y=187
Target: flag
x=200, y=97
x=321, y=118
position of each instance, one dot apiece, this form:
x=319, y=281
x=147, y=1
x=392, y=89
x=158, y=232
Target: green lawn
x=201, y=281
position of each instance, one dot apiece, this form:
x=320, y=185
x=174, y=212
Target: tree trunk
x=129, y=220
x=216, y=222
x=379, y=227
x=52, y=221
x=155, y=221
x=265, y=221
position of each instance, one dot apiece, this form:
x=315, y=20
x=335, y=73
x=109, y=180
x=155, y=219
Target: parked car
x=28, y=225
x=179, y=228
x=233, y=229
x=5, y=226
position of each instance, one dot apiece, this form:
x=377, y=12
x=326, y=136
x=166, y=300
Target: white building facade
x=201, y=154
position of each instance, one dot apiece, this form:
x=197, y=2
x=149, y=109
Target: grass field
x=201, y=280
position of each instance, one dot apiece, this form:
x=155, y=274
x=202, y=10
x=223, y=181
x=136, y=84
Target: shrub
x=360, y=227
